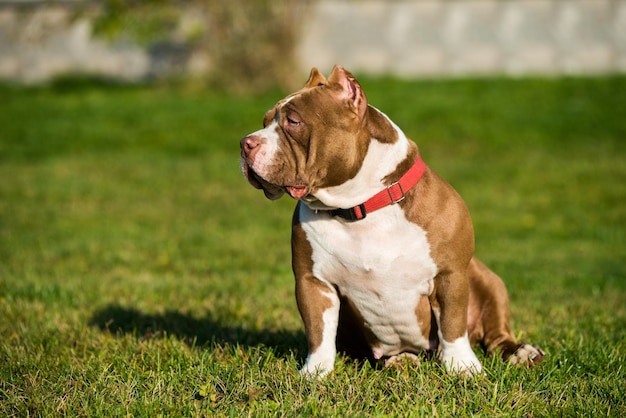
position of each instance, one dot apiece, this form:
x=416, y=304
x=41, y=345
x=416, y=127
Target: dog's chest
x=382, y=264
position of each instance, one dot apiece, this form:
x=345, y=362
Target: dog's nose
x=248, y=144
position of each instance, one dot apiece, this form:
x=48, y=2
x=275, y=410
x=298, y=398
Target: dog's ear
x=315, y=79
x=350, y=89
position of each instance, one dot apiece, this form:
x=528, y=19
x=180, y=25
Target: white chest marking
x=382, y=264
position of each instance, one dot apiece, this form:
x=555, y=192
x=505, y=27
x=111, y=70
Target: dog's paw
x=464, y=366
x=317, y=366
x=459, y=358
x=400, y=359
x=527, y=355
x=317, y=372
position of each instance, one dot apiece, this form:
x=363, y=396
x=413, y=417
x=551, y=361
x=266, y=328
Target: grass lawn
x=141, y=275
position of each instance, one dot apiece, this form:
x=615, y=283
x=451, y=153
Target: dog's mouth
x=297, y=192
x=272, y=191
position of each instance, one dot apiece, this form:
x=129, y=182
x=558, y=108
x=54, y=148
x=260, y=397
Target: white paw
x=527, y=355
x=311, y=372
x=458, y=357
x=318, y=366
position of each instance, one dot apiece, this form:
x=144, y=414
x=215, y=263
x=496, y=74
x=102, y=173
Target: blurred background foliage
x=240, y=45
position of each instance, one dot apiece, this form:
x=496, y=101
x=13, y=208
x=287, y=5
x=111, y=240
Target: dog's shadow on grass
x=196, y=332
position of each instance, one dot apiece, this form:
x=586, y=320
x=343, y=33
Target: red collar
x=390, y=195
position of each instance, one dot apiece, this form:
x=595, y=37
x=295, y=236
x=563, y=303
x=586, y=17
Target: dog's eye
x=292, y=121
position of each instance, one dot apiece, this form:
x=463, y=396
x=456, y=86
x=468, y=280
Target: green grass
x=141, y=275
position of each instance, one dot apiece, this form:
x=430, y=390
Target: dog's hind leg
x=488, y=317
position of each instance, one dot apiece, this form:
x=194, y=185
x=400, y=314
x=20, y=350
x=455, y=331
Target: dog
x=382, y=247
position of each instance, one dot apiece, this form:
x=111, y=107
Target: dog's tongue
x=297, y=192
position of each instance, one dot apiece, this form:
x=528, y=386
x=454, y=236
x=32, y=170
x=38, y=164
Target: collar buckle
x=352, y=214
x=397, y=194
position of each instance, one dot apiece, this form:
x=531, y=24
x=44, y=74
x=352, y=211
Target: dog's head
x=311, y=140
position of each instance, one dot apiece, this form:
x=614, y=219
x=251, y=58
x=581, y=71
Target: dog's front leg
x=319, y=307
x=449, y=302
x=318, y=303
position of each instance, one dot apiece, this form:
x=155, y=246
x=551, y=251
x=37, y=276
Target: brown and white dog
x=382, y=247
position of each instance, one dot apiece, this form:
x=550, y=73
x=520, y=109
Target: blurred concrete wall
x=39, y=41
x=42, y=39
x=456, y=37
